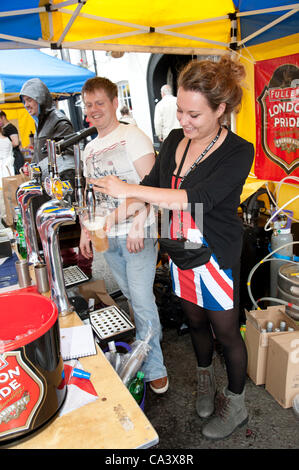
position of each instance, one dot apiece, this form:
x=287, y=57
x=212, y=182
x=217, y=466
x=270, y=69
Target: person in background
x=6, y=156
x=52, y=124
x=6, y=166
x=126, y=116
x=165, y=118
x=125, y=151
x=10, y=131
x=205, y=163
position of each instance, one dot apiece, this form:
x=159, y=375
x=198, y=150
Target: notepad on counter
x=77, y=341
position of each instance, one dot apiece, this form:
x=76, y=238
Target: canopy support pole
x=33, y=42
x=294, y=6
x=233, y=31
x=70, y=23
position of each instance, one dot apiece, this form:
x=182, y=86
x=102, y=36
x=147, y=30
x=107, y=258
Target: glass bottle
x=17, y=211
x=21, y=237
x=136, y=387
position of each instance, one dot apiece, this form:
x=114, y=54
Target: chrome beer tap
x=90, y=203
x=25, y=193
x=49, y=218
x=79, y=187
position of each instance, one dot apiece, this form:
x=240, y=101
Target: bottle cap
x=82, y=374
x=140, y=374
x=112, y=346
x=282, y=325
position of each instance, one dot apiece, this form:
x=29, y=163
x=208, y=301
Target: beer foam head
x=98, y=222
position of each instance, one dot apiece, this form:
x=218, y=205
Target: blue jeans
x=135, y=273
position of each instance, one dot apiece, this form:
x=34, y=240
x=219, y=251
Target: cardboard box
x=282, y=377
x=96, y=290
x=257, y=342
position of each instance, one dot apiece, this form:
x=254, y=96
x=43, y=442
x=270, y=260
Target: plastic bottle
x=269, y=327
x=22, y=248
x=134, y=360
x=136, y=387
x=113, y=356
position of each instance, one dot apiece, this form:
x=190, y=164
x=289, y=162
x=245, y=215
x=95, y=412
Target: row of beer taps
x=50, y=216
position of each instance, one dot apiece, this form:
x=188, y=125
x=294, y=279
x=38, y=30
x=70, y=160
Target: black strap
x=194, y=165
x=181, y=164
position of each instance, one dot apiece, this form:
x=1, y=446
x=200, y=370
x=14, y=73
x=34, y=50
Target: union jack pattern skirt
x=207, y=286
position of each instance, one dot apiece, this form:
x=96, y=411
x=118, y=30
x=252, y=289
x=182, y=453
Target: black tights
x=226, y=328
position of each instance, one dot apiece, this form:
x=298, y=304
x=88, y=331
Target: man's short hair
x=100, y=83
x=2, y=114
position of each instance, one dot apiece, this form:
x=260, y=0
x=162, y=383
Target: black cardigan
x=216, y=182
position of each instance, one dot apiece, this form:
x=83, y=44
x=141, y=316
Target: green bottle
x=21, y=237
x=136, y=387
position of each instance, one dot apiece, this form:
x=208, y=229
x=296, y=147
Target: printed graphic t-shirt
x=115, y=154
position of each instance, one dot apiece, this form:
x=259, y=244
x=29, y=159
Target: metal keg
x=288, y=288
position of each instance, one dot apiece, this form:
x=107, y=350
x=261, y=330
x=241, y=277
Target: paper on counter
x=80, y=392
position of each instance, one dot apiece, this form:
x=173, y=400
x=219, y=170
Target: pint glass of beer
x=95, y=230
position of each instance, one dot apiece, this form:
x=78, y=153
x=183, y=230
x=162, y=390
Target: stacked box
x=257, y=342
x=282, y=377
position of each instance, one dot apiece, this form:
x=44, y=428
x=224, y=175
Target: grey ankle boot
x=231, y=413
x=206, y=390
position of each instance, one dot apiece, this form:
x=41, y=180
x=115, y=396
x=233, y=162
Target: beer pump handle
x=48, y=143
x=77, y=159
x=53, y=158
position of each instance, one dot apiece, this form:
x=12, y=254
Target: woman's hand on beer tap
x=111, y=185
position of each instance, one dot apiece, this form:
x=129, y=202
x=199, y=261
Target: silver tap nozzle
x=90, y=203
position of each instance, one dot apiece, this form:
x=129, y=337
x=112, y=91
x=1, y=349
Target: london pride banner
x=277, y=118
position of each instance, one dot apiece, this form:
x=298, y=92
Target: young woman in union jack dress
x=216, y=164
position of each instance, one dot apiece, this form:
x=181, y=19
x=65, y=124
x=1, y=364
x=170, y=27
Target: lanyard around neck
x=196, y=161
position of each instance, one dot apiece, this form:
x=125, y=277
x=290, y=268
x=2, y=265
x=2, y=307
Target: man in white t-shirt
x=165, y=118
x=125, y=151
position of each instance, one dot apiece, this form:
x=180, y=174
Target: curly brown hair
x=219, y=82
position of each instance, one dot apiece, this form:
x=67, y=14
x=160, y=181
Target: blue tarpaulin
x=252, y=23
x=19, y=65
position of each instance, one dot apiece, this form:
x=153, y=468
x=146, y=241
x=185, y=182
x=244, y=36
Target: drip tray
x=73, y=275
x=111, y=324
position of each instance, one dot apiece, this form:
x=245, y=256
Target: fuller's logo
x=279, y=102
x=21, y=393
